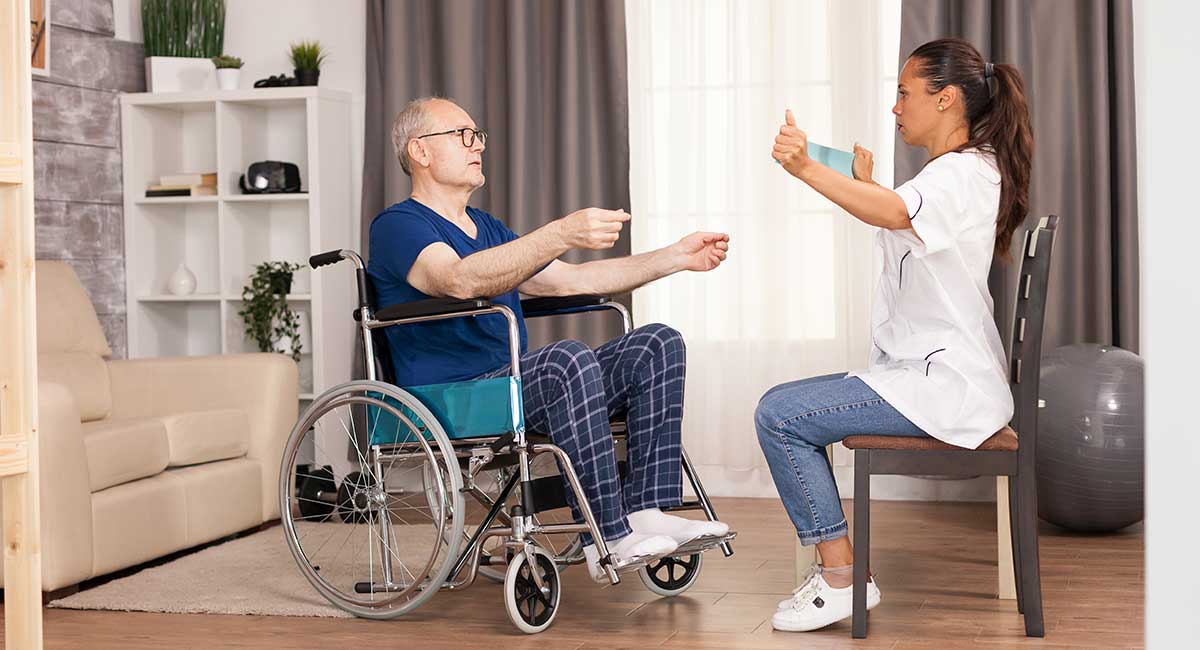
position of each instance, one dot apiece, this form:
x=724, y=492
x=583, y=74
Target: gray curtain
x=1077, y=60
x=546, y=79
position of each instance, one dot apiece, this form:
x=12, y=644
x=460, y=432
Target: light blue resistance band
x=835, y=159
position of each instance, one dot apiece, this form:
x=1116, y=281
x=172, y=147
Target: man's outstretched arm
x=438, y=271
x=700, y=251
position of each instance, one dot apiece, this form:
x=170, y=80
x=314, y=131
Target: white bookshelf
x=221, y=238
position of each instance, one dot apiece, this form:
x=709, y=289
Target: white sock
x=653, y=521
x=630, y=546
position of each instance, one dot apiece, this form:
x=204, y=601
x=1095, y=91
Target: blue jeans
x=795, y=422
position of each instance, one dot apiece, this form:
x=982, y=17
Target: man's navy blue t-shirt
x=440, y=351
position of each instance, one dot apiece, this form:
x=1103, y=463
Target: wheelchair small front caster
x=671, y=576
x=530, y=607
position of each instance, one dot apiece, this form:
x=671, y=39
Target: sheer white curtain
x=708, y=85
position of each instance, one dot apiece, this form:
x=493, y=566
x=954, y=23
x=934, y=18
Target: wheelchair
x=374, y=480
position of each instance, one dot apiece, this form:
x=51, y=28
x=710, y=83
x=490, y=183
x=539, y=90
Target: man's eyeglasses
x=467, y=134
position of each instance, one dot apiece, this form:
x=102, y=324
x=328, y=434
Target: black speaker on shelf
x=270, y=177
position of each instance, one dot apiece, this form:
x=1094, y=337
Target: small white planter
x=227, y=78
x=166, y=74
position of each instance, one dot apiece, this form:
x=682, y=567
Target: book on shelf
x=180, y=190
x=206, y=179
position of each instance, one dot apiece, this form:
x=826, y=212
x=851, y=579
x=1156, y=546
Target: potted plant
x=229, y=69
x=268, y=318
x=180, y=36
x=307, y=57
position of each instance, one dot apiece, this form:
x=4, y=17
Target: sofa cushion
x=84, y=374
x=223, y=498
x=120, y=451
x=205, y=436
x=137, y=522
x=66, y=319
x=71, y=344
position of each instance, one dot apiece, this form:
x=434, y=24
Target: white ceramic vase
x=227, y=78
x=182, y=282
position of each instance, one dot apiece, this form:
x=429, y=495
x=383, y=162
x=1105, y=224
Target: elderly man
x=435, y=245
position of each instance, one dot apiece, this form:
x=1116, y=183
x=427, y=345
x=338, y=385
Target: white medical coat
x=936, y=355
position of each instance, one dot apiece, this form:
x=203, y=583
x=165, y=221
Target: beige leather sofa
x=146, y=457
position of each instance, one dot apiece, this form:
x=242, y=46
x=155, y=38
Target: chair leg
x=1014, y=526
x=1030, y=567
x=862, y=540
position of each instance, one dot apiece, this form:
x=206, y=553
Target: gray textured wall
x=77, y=153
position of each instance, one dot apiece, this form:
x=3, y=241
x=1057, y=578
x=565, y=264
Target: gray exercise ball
x=1091, y=438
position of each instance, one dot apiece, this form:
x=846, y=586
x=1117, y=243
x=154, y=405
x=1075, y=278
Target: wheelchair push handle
x=325, y=259
x=360, y=269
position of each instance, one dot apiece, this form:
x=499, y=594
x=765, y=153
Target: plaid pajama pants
x=570, y=391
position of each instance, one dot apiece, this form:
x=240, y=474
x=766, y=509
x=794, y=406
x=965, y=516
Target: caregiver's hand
x=864, y=164
x=791, y=147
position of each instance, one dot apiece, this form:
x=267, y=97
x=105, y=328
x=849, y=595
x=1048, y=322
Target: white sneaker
x=653, y=521
x=627, y=548
x=787, y=602
x=816, y=605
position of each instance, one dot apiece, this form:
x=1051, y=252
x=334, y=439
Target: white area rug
x=251, y=575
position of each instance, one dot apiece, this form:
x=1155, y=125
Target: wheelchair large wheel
x=671, y=576
x=532, y=601
x=376, y=546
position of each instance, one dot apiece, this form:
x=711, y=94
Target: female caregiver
x=937, y=364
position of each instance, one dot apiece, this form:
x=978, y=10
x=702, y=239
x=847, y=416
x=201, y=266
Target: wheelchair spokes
x=372, y=528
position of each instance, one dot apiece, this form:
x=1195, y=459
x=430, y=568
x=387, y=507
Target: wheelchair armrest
x=553, y=306
x=430, y=307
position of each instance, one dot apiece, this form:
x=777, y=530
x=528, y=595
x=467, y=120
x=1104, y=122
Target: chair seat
x=1003, y=440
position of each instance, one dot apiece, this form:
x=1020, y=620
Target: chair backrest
x=1029, y=318
x=384, y=370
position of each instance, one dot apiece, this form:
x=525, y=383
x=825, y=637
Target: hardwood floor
x=935, y=563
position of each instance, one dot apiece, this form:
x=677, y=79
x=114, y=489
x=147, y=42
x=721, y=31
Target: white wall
x=259, y=32
x=127, y=19
x=1166, y=52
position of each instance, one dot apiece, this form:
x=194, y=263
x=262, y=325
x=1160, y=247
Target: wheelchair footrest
x=684, y=507
x=698, y=545
x=701, y=544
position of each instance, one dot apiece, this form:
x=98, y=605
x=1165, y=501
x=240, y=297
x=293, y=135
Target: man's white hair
x=410, y=123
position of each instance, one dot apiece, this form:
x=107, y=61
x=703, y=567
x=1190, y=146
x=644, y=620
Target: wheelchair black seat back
x=378, y=521
x=384, y=368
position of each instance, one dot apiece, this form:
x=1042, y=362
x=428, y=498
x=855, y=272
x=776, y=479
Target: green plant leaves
x=226, y=61
x=265, y=311
x=190, y=28
x=308, y=55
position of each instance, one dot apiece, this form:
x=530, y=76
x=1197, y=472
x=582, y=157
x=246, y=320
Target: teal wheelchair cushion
x=470, y=409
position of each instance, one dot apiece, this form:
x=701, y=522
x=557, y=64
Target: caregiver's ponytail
x=997, y=118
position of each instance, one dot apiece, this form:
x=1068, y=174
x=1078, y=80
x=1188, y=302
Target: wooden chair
x=1004, y=454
